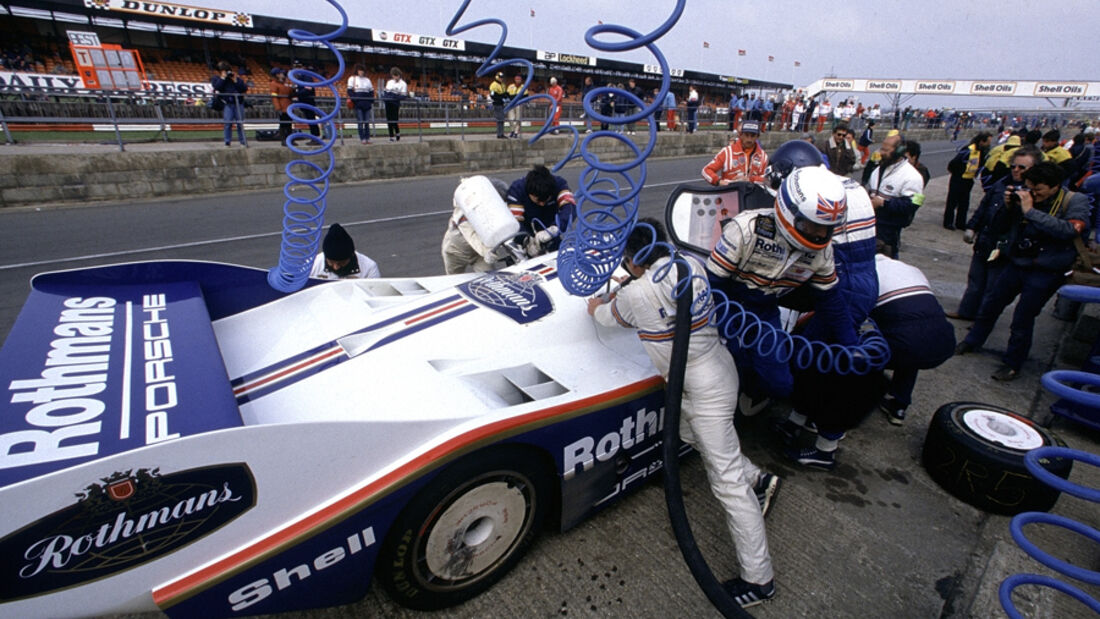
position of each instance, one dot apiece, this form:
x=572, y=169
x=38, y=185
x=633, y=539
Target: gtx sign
x=120, y=522
x=417, y=40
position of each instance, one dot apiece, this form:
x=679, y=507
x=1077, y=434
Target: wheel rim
x=1007, y=431
x=478, y=530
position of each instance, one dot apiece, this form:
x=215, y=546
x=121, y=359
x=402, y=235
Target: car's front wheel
x=464, y=531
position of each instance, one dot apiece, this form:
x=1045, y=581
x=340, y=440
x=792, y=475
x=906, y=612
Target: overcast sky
x=933, y=39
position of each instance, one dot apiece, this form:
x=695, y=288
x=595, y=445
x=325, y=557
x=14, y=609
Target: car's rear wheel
x=464, y=531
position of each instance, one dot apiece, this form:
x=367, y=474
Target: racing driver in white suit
x=646, y=303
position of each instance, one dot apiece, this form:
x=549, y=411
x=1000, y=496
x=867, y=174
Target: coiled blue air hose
x=304, y=215
x=1033, y=461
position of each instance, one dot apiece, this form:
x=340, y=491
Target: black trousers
x=392, y=108
x=958, y=201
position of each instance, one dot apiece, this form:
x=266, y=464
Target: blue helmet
x=790, y=156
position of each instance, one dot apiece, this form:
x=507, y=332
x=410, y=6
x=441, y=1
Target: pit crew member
x=897, y=191
x=543, y=204
x=462, y=248
x=827, y=399
x=339, y=260
x=646, y=303
x=743, y=159
x=913, y=323
x=765, y=254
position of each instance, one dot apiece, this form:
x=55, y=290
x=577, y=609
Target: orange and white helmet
x=810, y=204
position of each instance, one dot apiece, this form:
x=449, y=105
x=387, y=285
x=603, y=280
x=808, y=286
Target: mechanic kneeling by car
x=646, y=303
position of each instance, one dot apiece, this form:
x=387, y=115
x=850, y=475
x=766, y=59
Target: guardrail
x=123, y=112
x=166, y=115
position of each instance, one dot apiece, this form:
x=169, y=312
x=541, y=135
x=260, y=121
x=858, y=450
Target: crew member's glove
x=968, y=237
x=533, y=247
x=547, y=235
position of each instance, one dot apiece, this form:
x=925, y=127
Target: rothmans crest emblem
x=519, y=296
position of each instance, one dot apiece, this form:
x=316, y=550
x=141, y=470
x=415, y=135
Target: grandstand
x=177, y=50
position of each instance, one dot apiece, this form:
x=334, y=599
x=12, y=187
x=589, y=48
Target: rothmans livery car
x=178, y=436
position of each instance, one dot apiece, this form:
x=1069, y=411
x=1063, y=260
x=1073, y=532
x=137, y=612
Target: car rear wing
x=94, y=367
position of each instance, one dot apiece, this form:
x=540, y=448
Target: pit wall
x=74, y=177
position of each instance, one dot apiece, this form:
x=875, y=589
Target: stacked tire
x=976, y=452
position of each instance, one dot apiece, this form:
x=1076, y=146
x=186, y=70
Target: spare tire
x=976, y=452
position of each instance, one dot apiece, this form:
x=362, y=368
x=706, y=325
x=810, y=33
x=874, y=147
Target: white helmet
x=810, y=204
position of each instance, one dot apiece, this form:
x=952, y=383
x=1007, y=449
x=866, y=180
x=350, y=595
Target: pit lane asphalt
x=874, y=538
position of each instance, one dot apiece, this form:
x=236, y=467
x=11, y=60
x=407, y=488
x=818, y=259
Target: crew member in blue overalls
x=764, y=254
x=544, y=206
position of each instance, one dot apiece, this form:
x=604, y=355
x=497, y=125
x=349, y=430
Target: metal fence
x=171, y=117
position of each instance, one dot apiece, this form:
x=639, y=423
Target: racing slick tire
x=976, y=452
x=465, y=530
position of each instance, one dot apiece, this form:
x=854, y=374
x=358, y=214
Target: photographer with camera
x=1040, y=251
x=989, y=227
x=228, y=99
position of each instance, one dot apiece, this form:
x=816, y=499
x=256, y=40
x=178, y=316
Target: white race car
x=178, y=436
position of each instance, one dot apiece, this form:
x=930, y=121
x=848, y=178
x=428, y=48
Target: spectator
x=768, y=108
x=866, y=139
x=742, y=160
x=588, y=87
x=734, y=111
x=637, y=91
x=808, y=116
x=988, y=227
x=515, y=116
x=607, y=106
x=228, y=89
x=659, y=111
x=963, y=169
x=1047, y=220
x=1057, y=154
x=840, y=156
x=897, y=191
x=281, y=94
x=339, y=260
x=498, y=93
x=621, y=108
x=396, y=90
x=670, y=110
x=912, y=152
x=306, y=94
x=824, y=111
x=361, y=92
x=558, y=94
x=692, y=108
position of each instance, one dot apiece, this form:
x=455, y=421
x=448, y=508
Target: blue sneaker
x=812, y=456
x=749, y=594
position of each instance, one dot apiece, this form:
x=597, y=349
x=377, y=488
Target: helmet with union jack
x=810, y=204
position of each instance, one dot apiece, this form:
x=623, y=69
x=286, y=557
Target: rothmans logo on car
x=518, y=296
x=122, y=521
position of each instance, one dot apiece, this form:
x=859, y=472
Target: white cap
x=553, y=80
